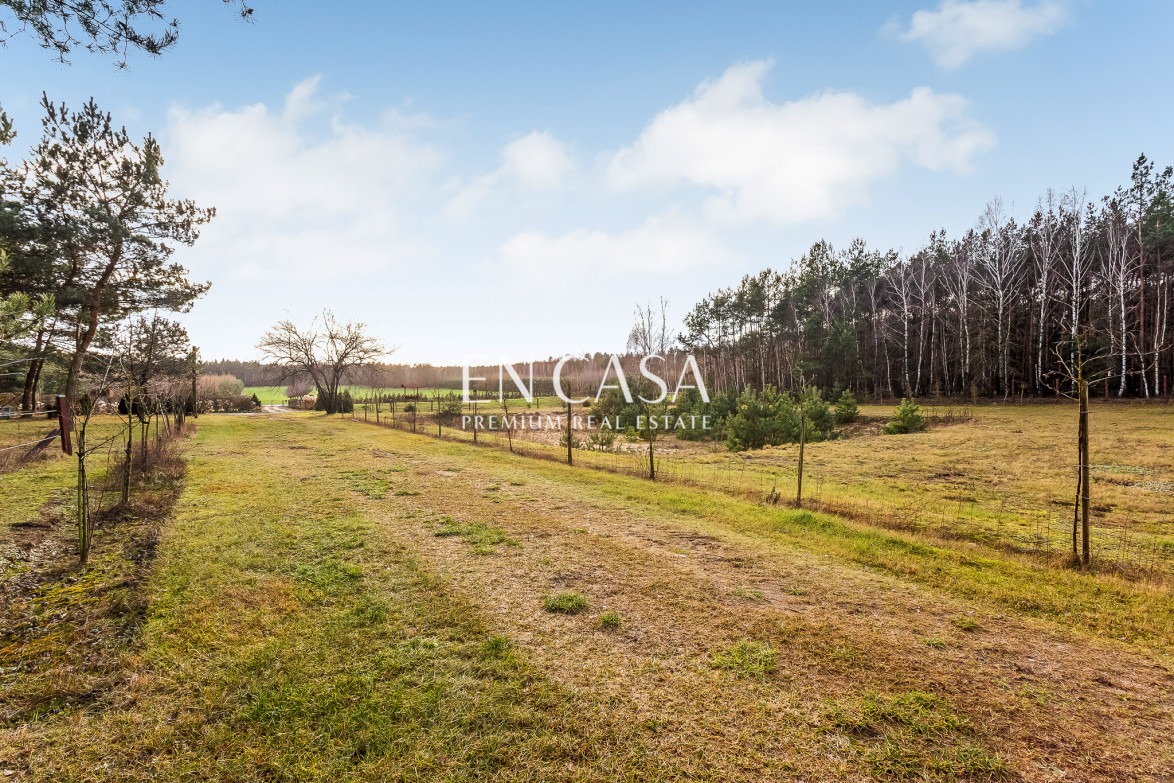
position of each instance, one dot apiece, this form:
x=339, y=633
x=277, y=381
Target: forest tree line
x=992, y=312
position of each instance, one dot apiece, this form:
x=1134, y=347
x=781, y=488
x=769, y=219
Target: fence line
x=31, y=443
x=1117, y=551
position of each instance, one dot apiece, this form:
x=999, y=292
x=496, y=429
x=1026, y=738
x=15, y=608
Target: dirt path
x=873, y=673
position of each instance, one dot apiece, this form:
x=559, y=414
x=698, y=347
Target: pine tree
x=846, y=408
x=906, y=419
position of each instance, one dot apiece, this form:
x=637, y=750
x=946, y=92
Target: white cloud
x=537, y=161
x=797, y=160
x=534, y=163
x=666, y=243
x=297, y=189
x=304, y=100
x=959, y=29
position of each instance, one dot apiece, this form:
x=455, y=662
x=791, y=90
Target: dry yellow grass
x=1005, y=474
x=754, y=644
x=1030, y=691
x=997, y=474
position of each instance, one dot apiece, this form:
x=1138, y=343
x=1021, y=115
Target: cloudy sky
x=510, y=179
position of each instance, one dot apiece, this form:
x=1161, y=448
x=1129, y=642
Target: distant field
x=275, y=395
x=268, y=395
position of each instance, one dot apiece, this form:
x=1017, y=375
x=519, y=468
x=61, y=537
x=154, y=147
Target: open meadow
x=275, y=395
x=327, y=601
x=1002, y=475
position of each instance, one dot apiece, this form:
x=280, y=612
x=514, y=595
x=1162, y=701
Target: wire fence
x=1042, y=535
x=115, y=456
x=25, y=435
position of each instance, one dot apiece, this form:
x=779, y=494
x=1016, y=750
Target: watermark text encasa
x=613, y=368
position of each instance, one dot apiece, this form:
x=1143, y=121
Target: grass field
x=997, y=475
x=268, y=395
x=333, y=601
x=275, y=395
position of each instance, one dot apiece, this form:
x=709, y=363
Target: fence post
x=83, y=510
x=65, y=421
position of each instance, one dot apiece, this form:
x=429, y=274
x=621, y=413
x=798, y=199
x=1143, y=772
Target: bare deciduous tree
x=325, y=351
x=650, y=336
x=1080, y=367
x=1001, y=266
x=650, y=333
x=1045, y=239
x=1119, y=269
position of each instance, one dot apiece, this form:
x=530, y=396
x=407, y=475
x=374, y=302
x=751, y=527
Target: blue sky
x=510, y=179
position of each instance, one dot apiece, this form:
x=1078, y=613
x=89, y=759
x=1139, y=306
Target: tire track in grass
x=291, y=639
x=848, y=640
x=660, y=665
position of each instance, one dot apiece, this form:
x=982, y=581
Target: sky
x=485, y=181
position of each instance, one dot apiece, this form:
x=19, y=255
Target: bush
x=576, y=442
x=448, y=408
x=599, y=440
x=906, y=419
x=256, y=400
x=755, y=423
x=821, y=425
x=772, y=419
x=343, y=404
x=846, y=409
x=692, y=410
x=219, y=386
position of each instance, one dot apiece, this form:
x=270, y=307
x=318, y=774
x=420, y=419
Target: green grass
x=964, y=623
x=995, y=475
x=268, y=395
x=610, y=620
x=275, y=395
x=1101, y=605
x=482, y=538
x=49, y=485
x=370, y=485
x=565, y=603
x=894, y=760
x=914, y=735
x=746, y=657
x=296, y=634
x=749, y=594
x=288, y=639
